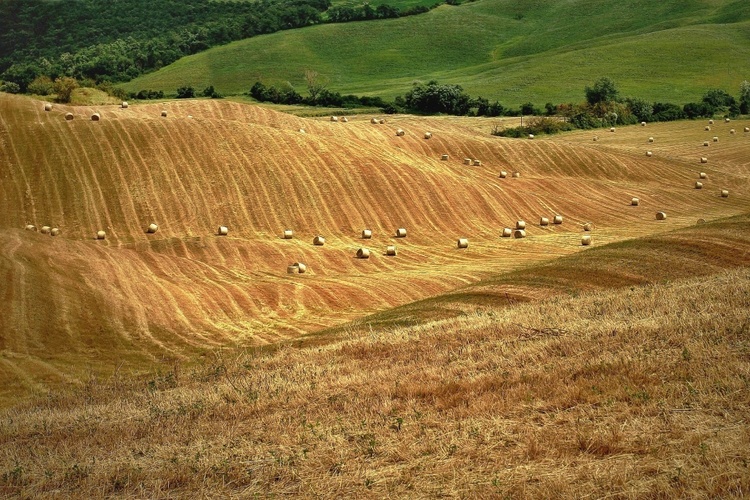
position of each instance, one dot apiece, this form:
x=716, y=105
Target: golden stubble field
x=73, y=305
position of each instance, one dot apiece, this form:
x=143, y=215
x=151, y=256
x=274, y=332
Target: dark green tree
x=603, y=91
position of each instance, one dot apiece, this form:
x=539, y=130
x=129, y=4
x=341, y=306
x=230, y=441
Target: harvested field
x=194, y=291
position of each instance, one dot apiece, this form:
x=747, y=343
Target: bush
x=667, y=112
x=185, y=92
x=147, y=94
x=695, y=110
x=436, y=98
x=536, y=125
x=641, y=109
x=64, y=88
x=10, y=87
x=41, y=85
x=211, y=92
x=604, y=90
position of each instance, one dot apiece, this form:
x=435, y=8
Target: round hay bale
x=701, y=221
x=444, y=157
x=345, y=119
x=703, y=175
x=96, y=117
x=558, y=219
x=302, y=131
x=366, y=234
x=650, y=139
x=375, y=121
x=698, y=185
x=288, y=234
x=520, y=224
x=612, y=129
x=516, y=175
x=477, y=163
x=222, y=231
x=363, y=253
x=716, y=139
x=596, y=138
x=462, y=243
x=634, y=202
x=302, y=267
x=319, y=241
x=400, y=132
x=401, y=232
x=152, y=228
x=45, y=230
x=164, y=112
x=54, y=231
x=382, y=121
x=705, y=144
x=726, y=120
x=47, y=106
x=707, y=128
x=100, y=235
x=69, y=116
x=643, y=124
x=649, y=154
x=544, y=221
x=711, y=122
x=292, y=269
x=467, y=161
x=731, y=131
x=588, y=226
x=124, y=105
x=503, y=174
x=704, y=159
x=661, y=216
x=586, y=240
x=30, y=227
x=428, y=135
x=390, y=250
x=724, y=193
x=334, y=118
x=519, y=233
x=507, y=232
x=531, y=136
x=747, y=129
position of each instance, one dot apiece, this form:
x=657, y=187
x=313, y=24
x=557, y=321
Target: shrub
x=41, y=85
x=64, y=88
x=666, y=112
x=641, y=109
x=10, y=87
x=211, y=92
x=604, y=90
x=185, y=92
x=438, y=98
x=694, y=110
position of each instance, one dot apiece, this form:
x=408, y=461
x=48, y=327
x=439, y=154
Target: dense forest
x=115, y=41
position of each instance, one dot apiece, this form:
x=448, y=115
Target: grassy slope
x=542, y=51
x=638, y=391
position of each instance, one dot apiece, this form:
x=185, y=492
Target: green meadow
x=539, y=51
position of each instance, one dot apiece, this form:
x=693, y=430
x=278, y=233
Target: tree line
x=116, y=41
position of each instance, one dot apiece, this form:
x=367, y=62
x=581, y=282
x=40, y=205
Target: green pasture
x=533, y=51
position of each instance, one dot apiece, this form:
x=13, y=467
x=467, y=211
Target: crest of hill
x=539, y=52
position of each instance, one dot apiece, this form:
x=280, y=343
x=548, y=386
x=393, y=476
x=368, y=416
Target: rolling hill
x=74, y=305
x=539, y=52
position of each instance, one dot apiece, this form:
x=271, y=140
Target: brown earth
x=72, y=305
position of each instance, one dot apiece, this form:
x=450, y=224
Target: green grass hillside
x=541, y=51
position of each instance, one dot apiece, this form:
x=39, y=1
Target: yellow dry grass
x=140, y=298
x=642, y=392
